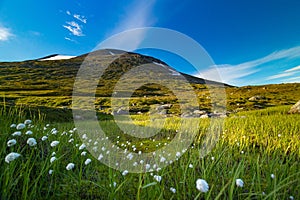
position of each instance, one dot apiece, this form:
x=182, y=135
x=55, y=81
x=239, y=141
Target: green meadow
x=252, y=153
x=260, y=147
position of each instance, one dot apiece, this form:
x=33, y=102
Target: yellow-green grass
x=253, y=145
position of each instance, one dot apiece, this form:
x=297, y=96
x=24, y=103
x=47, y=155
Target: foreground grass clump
x=257, y=157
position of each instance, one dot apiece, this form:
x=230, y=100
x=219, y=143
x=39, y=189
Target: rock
x=204, y=116
x=120, y=111
x=199, y=112
x=186, y=115
x=295, y=108
x=164, y=106
x=218, y=115
x=256, y=98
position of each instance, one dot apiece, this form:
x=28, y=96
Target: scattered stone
x=204, y=116
x=164, y=106
x=256, y=98
x=295, y=108
x=199, y=112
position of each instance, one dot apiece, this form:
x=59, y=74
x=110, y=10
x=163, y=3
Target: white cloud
x=69, y=39
x=233, y=74
x=293, y=69
x=35, y=33
x=5, y=34
x=80, y=18
x=280, y=75
x=74, y=28
x=297, y=78
x=287, y=73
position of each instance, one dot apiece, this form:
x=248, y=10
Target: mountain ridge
x=50, y=83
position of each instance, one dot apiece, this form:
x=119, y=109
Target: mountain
x=55, y=57
x=49, y=81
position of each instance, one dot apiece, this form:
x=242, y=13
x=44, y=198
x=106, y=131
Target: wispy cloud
x=297, y=78
x=293, y=69
x=69, y=39
x=80, y=18
x=234, y=74
x=280, y=75
x=287, y=73
x=5, y=33
x=74, y=28
x=35, y=33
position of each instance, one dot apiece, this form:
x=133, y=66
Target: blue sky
x=251, y=42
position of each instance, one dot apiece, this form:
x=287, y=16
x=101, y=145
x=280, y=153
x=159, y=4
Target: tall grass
x=252, y=146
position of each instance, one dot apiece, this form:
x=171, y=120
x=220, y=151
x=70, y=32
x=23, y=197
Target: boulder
x=199, y=112
x=295, y=108
x=164, y=106
x=256, y=98
x=204, y=116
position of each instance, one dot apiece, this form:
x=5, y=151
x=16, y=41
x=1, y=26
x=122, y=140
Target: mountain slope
x=49, y=83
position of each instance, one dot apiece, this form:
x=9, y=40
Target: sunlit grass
x=259, y=147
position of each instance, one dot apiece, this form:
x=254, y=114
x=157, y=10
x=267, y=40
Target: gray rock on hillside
x=256, y=98
x=295, y=108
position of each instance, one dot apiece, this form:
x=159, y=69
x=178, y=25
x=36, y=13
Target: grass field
x=259, y=147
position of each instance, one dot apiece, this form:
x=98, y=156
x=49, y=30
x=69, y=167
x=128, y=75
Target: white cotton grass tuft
x=100, y=156
x=82, y=147
x=71, y=140
x=125, y=172
x=87, y=161
x=31, y=142
x=27, y=122
x=54, y=143
x=239, y=182
x=157, y=178
x=13, y=125
x=11, y=142
x=162, y=159
x=272, y=176
x=52, y=159
x=202, y=185
x=191, y=166
x=83, y=153
x=17, y=133
x=44, y=138
x=20, y=126
x=28, y=132
x=147, y=166
x=50, y=171
x=113, y=185
x=70, y=166
x=173, y=190
x=11, y=156
x=130, y=156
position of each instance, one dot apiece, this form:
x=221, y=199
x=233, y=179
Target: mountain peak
x=55, y=57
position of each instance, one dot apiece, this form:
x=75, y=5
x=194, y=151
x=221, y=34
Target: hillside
x=49, y=84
